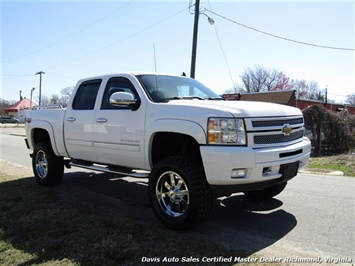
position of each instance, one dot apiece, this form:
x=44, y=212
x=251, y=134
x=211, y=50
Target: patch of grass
x=44, y=226
x=343, y=162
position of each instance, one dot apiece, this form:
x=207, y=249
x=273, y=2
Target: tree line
x=61, y=99
x=262, y=79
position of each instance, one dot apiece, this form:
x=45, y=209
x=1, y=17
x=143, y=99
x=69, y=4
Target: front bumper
x=262, y=165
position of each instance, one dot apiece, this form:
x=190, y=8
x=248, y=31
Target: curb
x=321, y=172
x=18, y=135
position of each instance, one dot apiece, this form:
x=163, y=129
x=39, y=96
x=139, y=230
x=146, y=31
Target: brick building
x=286, y=98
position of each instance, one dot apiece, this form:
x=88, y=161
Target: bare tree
x=44, y=100
x=350, y=99
x=254, y=80
x=308, y=90
x=54, y=99
x=301, y=88
x=65, y=95
x=314, y=92
x=283, y=83
x=63, y=99
x=3, y=105
x=261, y=79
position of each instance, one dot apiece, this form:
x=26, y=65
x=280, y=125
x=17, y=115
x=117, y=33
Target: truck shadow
x=242, y=226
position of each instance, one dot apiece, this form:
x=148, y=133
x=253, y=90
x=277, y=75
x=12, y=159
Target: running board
x=111, y=170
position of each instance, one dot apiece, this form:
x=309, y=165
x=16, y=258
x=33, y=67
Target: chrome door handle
x=71, y=119
x=101, y=120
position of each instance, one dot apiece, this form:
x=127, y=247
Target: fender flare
x=179, y=126
x=43, y=125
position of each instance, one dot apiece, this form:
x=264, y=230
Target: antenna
x=155, y=60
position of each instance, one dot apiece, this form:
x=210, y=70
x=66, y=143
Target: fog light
x=239, y=173
x=267, y=170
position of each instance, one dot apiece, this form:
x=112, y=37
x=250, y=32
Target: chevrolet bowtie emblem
x=286, y=129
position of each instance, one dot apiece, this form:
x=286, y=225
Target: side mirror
x=123, y=99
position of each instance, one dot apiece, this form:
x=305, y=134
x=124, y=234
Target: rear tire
x=179, y=193
x=48, y=168
x=266, y=193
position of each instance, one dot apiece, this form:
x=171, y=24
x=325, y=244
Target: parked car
x=12, y=120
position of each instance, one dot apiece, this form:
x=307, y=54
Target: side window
x=86, y=95
x=118, y=84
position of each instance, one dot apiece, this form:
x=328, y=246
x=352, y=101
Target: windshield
x=163, y=88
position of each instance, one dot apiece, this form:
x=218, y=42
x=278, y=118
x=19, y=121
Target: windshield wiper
x=216, y=99
x=192, y=98
x=185, y=98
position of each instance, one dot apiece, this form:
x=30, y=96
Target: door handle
x=71, y=119
x=101, y=120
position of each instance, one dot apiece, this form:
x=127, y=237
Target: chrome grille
x=279, y=138
x=277, y=123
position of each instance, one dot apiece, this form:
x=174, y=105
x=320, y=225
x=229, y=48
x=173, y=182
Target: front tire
x=47, y=167
x=179, y=193
x=266, y=193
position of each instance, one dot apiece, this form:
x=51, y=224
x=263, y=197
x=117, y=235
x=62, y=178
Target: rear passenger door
x=79, y=121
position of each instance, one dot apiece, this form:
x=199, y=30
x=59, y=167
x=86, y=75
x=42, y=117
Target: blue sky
x=69, y=40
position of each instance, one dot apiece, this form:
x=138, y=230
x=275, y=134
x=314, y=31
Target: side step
x=111, y=170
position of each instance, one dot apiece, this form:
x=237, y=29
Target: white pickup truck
x=192, y=145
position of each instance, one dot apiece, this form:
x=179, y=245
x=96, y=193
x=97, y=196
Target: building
x=287, y=98
x=19, y=109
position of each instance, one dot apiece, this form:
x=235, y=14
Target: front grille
x=279, y=138
x=277, y=123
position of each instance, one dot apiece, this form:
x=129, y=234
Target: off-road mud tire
x=179, y=193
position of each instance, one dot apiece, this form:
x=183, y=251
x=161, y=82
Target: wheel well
x=40, y=135
x=168, y=144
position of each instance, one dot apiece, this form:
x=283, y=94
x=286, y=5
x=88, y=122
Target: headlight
x=226, y=131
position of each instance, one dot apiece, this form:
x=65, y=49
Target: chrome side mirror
x=123, y=99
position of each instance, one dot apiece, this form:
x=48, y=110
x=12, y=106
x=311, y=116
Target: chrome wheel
x=47, y=167
x=41, y=164
x=179, y=193
x=172, y=194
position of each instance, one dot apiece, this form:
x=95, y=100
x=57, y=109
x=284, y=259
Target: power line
x=337, y=94
x=68, y=36
x=220, y=45
x=280, y=37
x=121, y=40
x=105, y=47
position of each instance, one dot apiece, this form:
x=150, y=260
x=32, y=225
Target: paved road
x=313, y=217
x=13, y=147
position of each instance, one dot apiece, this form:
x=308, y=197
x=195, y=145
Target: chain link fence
x=329, y=132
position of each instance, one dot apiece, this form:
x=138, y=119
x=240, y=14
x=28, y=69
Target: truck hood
x=240, y=108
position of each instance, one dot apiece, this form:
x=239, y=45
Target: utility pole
x=40, y=85
x=194, y=39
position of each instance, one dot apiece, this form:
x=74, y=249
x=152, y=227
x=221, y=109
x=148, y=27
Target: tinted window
x=86, y=95
x=118, y=84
